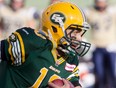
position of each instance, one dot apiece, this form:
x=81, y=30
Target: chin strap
x=66, y=51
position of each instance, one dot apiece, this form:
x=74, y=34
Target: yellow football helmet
x=62, y=15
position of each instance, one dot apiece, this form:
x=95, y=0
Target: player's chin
x=75, y=46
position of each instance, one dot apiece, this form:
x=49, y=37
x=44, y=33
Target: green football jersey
x=32, y=61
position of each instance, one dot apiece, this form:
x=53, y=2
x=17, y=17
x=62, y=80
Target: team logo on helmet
x=57, y=18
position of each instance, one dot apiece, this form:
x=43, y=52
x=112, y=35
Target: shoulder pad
x=25, y=30
x=29, y=31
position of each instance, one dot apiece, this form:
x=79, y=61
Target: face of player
x=75, y=35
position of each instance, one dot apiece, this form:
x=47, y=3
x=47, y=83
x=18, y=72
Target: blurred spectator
x=35, y=15
x=53, y=1
x=13, y=17
x=2, y=6
x=87, y=78
x=1, y=3
x=102, y=18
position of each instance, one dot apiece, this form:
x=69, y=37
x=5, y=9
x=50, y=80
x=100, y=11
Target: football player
x=35, y=58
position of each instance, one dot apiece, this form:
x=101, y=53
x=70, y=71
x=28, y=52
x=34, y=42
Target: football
x=58, y=82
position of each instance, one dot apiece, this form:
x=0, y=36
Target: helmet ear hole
x=54, y=29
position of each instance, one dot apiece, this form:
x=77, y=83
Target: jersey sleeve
x=74, y=77
x=17, y=47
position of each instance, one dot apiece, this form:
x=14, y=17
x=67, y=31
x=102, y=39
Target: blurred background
x=40, y=4
x=91, y=76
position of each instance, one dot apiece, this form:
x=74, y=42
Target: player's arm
x=13, y=48
x=2, y=51
x=20, y=44
x=74, y=78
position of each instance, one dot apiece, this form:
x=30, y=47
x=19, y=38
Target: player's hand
x=66, y=84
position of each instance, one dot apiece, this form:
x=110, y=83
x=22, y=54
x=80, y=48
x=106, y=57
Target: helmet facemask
x=71, y=45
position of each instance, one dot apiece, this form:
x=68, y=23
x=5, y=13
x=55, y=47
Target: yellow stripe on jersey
x=9, y=50
x=76, y=69
x=22, y=46
x=40, y=35
x=58, y=61
x=74, y=74
x=16, y=49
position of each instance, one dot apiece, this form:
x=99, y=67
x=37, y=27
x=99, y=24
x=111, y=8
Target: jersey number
x=39, y=80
